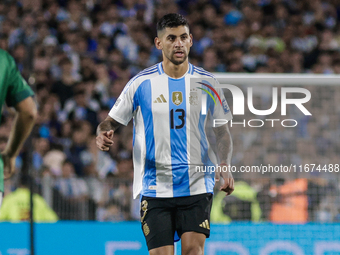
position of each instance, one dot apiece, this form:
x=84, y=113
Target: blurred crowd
x=79, y=54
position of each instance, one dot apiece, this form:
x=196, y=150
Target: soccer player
x=15, y=92
x=170, y=142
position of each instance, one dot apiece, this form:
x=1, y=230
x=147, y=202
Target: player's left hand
x=228, y=184
x=9, y=165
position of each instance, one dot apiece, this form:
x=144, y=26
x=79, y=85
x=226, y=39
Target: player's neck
x=175, y=71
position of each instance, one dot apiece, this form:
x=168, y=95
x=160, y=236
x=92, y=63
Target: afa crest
x=193, y=97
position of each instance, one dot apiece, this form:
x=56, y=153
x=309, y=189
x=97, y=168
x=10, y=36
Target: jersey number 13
x=180, y=114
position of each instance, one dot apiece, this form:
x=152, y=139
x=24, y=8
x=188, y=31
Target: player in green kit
x=15, y=92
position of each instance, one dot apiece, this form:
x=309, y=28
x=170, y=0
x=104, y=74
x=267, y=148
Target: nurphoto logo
x=213, y=91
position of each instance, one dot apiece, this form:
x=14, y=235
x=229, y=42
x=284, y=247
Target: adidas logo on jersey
x=205, y=224
x=160, y=99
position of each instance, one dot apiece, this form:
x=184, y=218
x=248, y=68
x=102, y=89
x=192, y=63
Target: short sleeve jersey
x=13, y=89
x=170, y=140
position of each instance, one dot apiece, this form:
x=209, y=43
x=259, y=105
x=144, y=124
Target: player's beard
x=177, y=62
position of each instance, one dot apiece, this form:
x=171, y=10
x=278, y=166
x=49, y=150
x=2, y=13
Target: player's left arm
x=225, y=148
x=19, y=95
x=22, y=126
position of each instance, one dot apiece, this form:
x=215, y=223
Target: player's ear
x=191, y=40
x=158, y=43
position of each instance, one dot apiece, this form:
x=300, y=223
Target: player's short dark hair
x=171, y=20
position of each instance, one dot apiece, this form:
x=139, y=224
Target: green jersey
x=13, y=89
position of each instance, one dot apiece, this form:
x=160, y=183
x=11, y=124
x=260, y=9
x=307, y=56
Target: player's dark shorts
x=161, y=217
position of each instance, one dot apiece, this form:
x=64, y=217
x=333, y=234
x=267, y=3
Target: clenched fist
x=104, y=140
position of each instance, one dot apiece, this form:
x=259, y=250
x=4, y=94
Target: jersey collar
x=161, y=71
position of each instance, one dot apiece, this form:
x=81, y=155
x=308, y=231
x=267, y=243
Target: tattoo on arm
x=107, y=125
x=224, y=143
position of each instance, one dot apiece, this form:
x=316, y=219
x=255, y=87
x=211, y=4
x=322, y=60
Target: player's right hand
x=104, y=140
x=9, y=165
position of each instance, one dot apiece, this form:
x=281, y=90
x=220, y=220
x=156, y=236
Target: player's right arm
x=105, y=132
x=120, y=114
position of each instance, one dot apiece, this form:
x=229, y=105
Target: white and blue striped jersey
x=170, y=139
